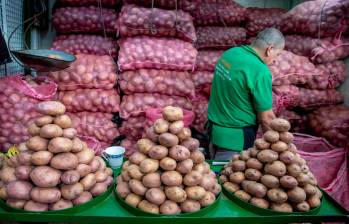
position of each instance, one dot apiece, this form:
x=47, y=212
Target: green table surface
x=110, y=211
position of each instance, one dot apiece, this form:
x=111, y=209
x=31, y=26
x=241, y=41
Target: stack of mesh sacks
x=155, y=58
x=310, y=69
x=88, y=30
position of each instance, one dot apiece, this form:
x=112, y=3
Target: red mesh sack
x=104, y=3
x=18, y=99
x=298, y=121
x=157, y=81
x=220, y=37
x=86, y=44
x=312, y=98
x=320, y=156
x=286, y=96
x=202, y=80
x=318, y=17
x=331, y=122
x=135, y=21
x=207, y=60
x=94, y=100
x=92, y=143
x=87, y=71
x=138, y=103
x=200, y=105
x=152, y=114
x=186, y=5
x=333, y=74
x=318, y=50
x=160, y=53
x=219, y=12
x=133, y=127
x=260, y=18
x=97, y=125
x=289, y=68
x=130, y=146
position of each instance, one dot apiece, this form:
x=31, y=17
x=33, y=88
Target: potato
x=14, y=160
x=94, y=164
x=191, y=143
x=305, y=169
x=253, y=152
x=125, y=176
x=287, y=157
x=123, y=189
x=300, y=161
x=61, y=204
x=197, y=157
x=208, y=199
x=88, y=181
x=19, y=190
x=144, y=145
x=45, y=194
x=16, y=203
x=23, y=172
x=102, y=165
x=283, y=207
x=133, y=199
x=294, y=170
x=184, y=134
x=70, y=177
x=41, y=158
x=286, y=137
x=109, y=171
x=279, y=146
x=270, y=181
x=277, y=195
x=134, y=172
x=137, y=187
x=51, y=131
x=288, y=182
x=7, y=174
x=64, y=161
x=260, y=202
x=83, y=170
x=254, y=164
x=185, y=166
x=63, y=121
x=303, y=179
x=207, y=182
x=60, y=144
x=252, y=174
x=155, y=196
x=292, y=147
x=152, y=180
x=70, y=192
x=146, y=206
x=85, y=156
x=108, y=181
x=171, y=113
x=44, y=120
x=310, y=190
x=190, y=206
x=275, y=168
x=175, y=194
x=98, y=188
x=158, y=152
x=303, y=206
x=37, y=143
x=296, y=195
x=23, y=158
x=256, y=189
x=195, y=192
x=314, y=201
x=238, y=165
x=169, y=208
x=45, y=176
x=69, y=133
x=3, y=193
x=231, y=187
x=35, y=206
x=149, y=166
x=171, y=178
x=151, y=135
x=242, y=195
x=168, y=164
x=83, y=198
x=280, y=125
x=161, y=126
x=137, y=158
x=22, y=147
x=179, y=153
x=216, y=189
x=193, y=178
x=261, y=144
x=168, y=139
x=237, y=177
x=245, y=155
x=53, y=108
x=223, y=179
x=101, y=176
x=33, y=130
x=267, y=156
x=77, y=145
x=271, y=136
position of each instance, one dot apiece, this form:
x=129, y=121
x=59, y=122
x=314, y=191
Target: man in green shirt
x=241, y=94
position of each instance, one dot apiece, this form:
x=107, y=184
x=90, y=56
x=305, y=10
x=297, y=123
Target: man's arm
x=264, y=119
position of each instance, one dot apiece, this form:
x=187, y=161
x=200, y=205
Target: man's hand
x=264, y=119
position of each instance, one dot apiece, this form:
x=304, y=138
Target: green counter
x=110, y=211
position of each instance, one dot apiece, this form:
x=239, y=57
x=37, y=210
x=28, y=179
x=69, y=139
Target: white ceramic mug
x=114, y=155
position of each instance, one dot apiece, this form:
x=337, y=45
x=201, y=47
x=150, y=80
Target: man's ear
x=268, y=50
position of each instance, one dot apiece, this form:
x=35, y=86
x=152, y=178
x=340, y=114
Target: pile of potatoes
x=168, y=174
x=54, y=169
x=272, y=175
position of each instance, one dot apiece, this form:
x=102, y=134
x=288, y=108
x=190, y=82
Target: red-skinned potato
x=16, y=203
x=45, y=176
x=168, y=164
x=83, y=169
x=77, y=145
x=254, y=164
x=51, y=131
x=270, y=181
x=286, y=137
x=69, y=133
x=98, y=188
x=171, y=178
x=191, y=144
x=94, y=164
x=85, y=156
x=231, y=187
x=176, y=127
x=35, y=206
x=33, y=130
x=168, y=139
x=41, y=121
x=146, y=206
x=237, y=177
x=158, y=152
x=185, y=166
x=60, y=144
x=175, y=194
x=149, y=166
x=61, y=204
x=70, y=177
x=296, y=195
x=169, y=208
x=242, y=195
x=24, y=158
x=179, y=153
x=133, y=199
x=45, y=194
x=271, y=136
x=282, y=207
x=63, y=121
x=23, y=172
x=83, y=198
x=279, y=146
x=190, y=206
x=134, y=172
x=184, y=134
x=88, y=181
x=238, y=165
x=197, y=157
x=171, y=113
x=288, y=182
x=195, y=192
x=275, y=168
x=137, y=158
x=70, y=192
x=155, y=196
x=137, y=187
x=260, y=202
x=52, y=108
x=267, y=156
x=144, y=145
x=287, y=157
x=152, y=180
x=193, y=178
x=64, y=161
x=252, y=174
x=37, y=143
x=161, y=126
x=261, y=144
x=277, y=195
x=151, y=135
x=19, y=190
x=7, y=174
x=41, y=158
x=123, y=189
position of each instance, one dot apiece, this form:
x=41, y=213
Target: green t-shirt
x=241, y=87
